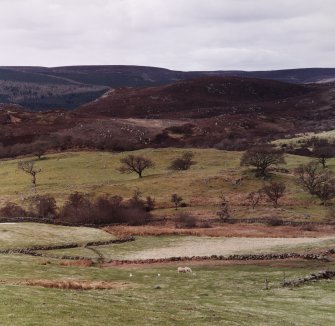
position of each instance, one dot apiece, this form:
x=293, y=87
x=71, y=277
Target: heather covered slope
x=201, y=97
x=41, y=88
x=221, y=112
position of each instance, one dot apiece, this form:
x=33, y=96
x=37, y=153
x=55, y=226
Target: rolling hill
x=220, y=112
x=41, y=88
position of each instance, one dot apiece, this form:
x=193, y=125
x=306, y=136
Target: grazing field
x=214, y=174
x=151, y=247
x=48, y=290
x=295, y=141
x=22, y=235
x=212, y=295
x=92, y=291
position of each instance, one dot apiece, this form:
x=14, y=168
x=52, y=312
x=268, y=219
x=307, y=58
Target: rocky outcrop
x=322, y=275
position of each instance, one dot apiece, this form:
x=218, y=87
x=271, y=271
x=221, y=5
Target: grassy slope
x=200, y=187
x=20, y=235
x=214, y=295
x=330, y=135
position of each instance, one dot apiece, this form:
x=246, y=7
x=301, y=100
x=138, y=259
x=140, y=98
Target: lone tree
x=316, y=180
x=262, y=157
x=274, y=191
x=323, y=153
x=134, y=163
x=177, y=200
x=29, y=168
x=224, y=209
x=39, y=149
x=182, y=163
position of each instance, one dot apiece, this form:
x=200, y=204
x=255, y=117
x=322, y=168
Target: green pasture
x=212, y=295
x=214, y=174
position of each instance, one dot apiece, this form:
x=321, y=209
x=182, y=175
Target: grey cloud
x=177, y=34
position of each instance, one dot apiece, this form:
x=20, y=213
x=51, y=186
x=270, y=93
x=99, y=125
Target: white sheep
x=188, y=270
x=184, y=270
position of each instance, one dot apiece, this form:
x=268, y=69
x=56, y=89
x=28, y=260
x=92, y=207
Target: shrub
x=254, y=198
x=176, y=200
x=43, y=206
x=104, y=210
x=274, y=222
x=224, y=209
x=206, y=225
x=182, y=163
x=331, y=213
x=274, y=191
x=12, y=210
x=185, y=220
x=149, y=204
x=77, y=209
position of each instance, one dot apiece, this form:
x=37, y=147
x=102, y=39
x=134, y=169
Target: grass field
x=295, y=141
x=148, y=247
x=216, y=293
x=22, y=235
x=201, y=186
x=212, y=295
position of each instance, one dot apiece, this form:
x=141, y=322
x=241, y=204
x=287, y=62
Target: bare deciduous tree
x=224, y=209
x=177, y=200
x=317, y=181
x=29, y=168
x=274, y=191
x=262, y=157
x=137, y=164
x=325, y=191
x=255, y=197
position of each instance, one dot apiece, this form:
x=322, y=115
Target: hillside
x=202, y=97
x=221, y=112
x=41, y=88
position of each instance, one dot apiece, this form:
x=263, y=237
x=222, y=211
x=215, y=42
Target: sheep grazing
x=184, y=270
x=188, y=270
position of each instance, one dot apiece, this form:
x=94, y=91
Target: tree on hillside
x=262, y=157
x=176, y=200
x=255, y=197
x=29, y=168
x=134, y=163
x=323, y=153
x=274, y=191
x=182, y=163
x=224, y=209
x=316, y=180
x=39, y=149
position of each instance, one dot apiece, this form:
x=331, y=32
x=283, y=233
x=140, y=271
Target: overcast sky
x=175, y=34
